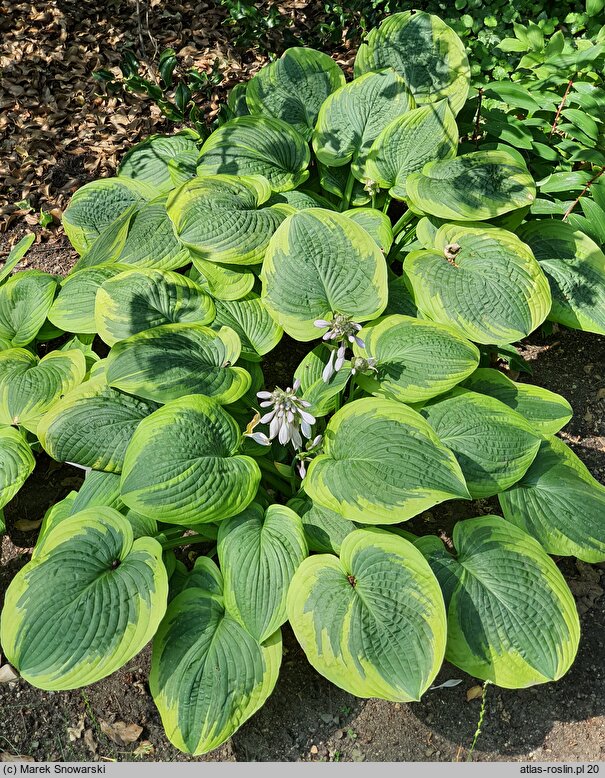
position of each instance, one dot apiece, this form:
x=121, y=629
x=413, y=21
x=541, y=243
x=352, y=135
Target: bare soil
x=307, y=718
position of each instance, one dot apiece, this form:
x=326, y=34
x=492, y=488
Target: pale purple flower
x=363, y=365
x=344, y=330
x=288, y=417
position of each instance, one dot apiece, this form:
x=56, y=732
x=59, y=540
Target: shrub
x=365, y=220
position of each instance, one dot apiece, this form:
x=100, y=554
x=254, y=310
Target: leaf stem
x=560, y=108
x=582, y=193
x=403, y=222
x=387, y=202
x=346, y=198
x=185, y=540
x=272, y=477
x=477, y=137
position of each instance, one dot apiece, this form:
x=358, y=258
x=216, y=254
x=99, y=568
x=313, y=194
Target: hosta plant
x=339, y=222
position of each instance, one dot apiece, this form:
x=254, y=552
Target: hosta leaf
x=382, y=464
x=92, y=425
x=547, y=411
x=493, y=444
x=208, y=674
x=324, y=530
x=335, y=179
x=575, y=268
x=376, y=223
x=319, y=263
x=107, y=597
x=473, y=187
x=427, y=53
x=257, y=145
x=141, y=299
x=99, y=488
x=29, y=386
x=96, y=205
x=16, y=463
x=108, y=246
x=205, y=576
x=404, y=146
x=510, y=615
x=373, y=621
x=219, y=218
x=15, y=255
x=74, y=307
x=559, y=503
x=248, y=317
x=259, y=552
x=151, y=240
x=401, y=301
x=294, y=87
x=173, y=360
x=352, y=117
x=181, y=466
x=25, y=300
x=163, y=161
x=224, y=282
x=415, y=359
x=482, y=280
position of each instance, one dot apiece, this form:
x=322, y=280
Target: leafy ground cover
x=481, y=183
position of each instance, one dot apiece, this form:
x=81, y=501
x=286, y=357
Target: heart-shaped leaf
x=108, y=596
x=547, y=411
x=382, y=464
x=427, y=53
x=257, y=145
x=473, y=187
x=493, y=444
x=511, y=618
x=29, y=386
x=259, y=552
x=173, y=360
x=25, y=300
x=352, y=117
x=92, y=425
x=223, y=282
x=96, y=205
x=201, y=653
x=219, y=218
x=559, y=503
x=482, y=280
x=162, y=161
x=294, y=87
x=320, y=393
x=376, y=223
x=404, y=146
x=250, y=319
x=575, y=268
x=182, y=467
x=74, y=307
x=373, y=621
x=415, y=359
x=141, y=299
x=320, y=263
x=16, y=463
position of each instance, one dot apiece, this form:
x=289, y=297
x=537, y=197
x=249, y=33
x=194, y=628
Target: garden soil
x=57, y=131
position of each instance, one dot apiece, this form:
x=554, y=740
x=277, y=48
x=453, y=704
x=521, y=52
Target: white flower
x=287, y=419
x=343, y=329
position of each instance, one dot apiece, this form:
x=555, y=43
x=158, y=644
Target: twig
x=582, y=193
x=140, y=30
x=560, y=108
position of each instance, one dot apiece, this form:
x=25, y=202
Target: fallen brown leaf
x=474, y=693
x=8, y=674
x=6, y=757
x=120, y=732
x=75, y=733
x=89, y=741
